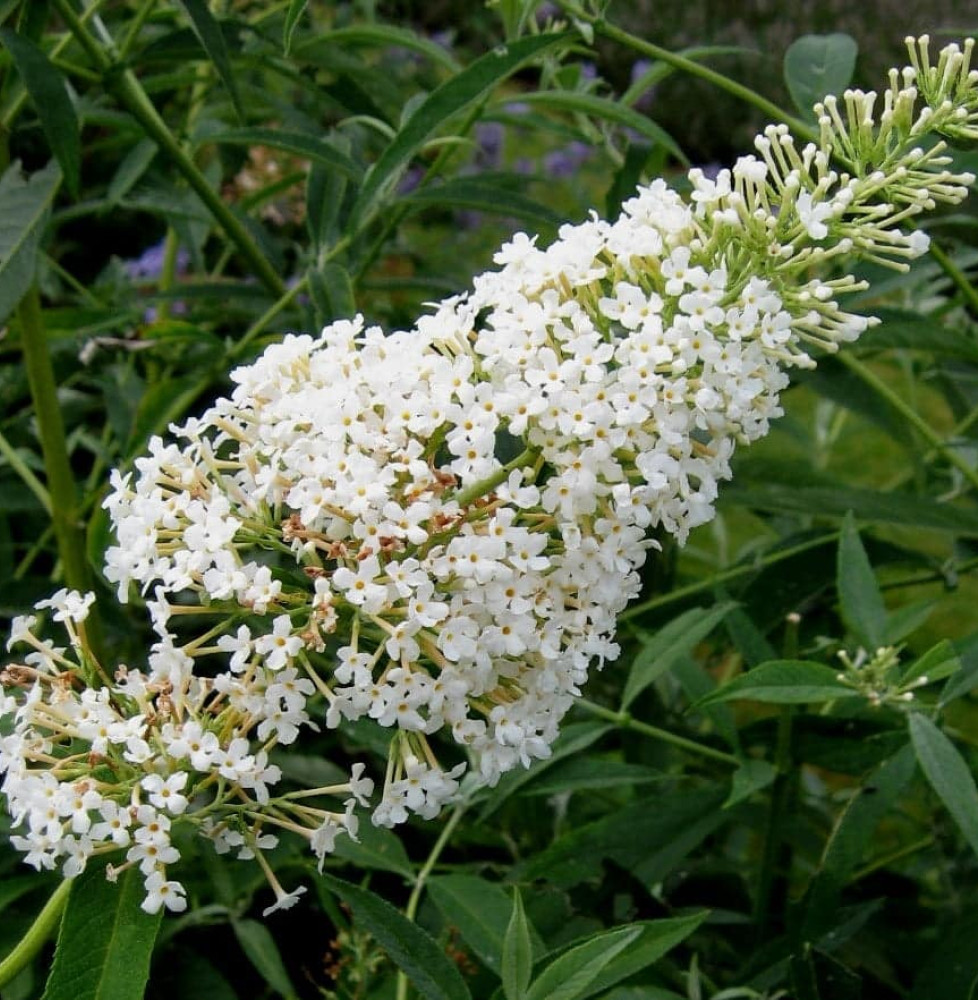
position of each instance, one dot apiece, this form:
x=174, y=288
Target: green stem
x=135, y=26
x=124, y=84
x=626, y=721
x=957, y=276
x=32, y=942
x=910, y=415
x=680, y=62
x=680, y=594
x=60, y=478
x=273, y=311
x=898, y=855
x=772, y=886
x=411, y=909
x=394, y=218
x=487, y=485
x=168, y=272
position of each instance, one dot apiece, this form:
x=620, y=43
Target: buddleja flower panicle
x=346, y=538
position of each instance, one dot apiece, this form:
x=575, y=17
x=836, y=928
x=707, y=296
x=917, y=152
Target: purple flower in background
x=547, y=9
x=444, y=38
x=566, y=162
x=410, y=180
x=149, y=264
x=489, y=136
x=639, y=68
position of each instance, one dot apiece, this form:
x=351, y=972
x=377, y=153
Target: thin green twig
x=54, y=448
x=38, y=933
x=957, y=276
x=867, y=375
x=411, y=909
x=626, y=721
x=126, y=87
x=680, y=594
x=21, y=468
x=687, y=65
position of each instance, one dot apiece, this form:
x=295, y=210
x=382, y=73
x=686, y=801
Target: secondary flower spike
x=435, y=530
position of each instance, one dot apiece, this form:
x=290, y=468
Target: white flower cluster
x=435, y=530
x=107, y=766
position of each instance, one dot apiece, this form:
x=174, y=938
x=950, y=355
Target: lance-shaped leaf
x=612, y=111
x=596, y=965
x=211, y=37
x=859, y=594
x=49, y=92
x=292, y=15
x=783, y=682
x=24, y=206
x=661, y=651
x=106, y=940
x=948, y=774
x=298, y=143
x=517, y=957
x=411, y=949
x=464, y=89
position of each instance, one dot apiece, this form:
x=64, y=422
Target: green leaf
x=584, y=773
x=750, y=777
x=657, y=938
x=948, y=774
x=816, y=65
x=195, y=978
x=332, y=292
x=967, y=678
x=480, y=910
x=860, y=598
x=748, y=638
x=648, y=993
x=904, y=621
x=477, y=194
x=464, y=89
x=258, y=944
x=135, y=163
x=411, y=949
x=517, y=957
x=910, y=331
x=49, y=92
x=783, y=682
x=106, y=940
x=848, y=843
x=574, y=738
x=601, y=107
x=660, y=651
x=606, y=959
x=296, y=10
x=569, y=976
x=211, y=37
x=938, y=662
x=375, y=847
x=949, y=971
x=298, y=143
x=642, y=839
x=379, y=34
x=867, y=505
x=24, y=207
